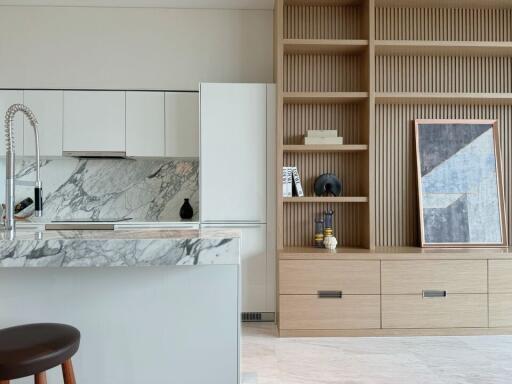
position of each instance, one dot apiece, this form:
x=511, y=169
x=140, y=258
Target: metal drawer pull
x=330, y=294
x=431, y=293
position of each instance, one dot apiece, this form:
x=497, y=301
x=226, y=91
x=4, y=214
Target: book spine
x=289, y=182
x=285, y=181
x=298, y=184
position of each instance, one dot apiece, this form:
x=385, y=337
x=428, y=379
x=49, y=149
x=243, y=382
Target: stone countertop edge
x=121, y=248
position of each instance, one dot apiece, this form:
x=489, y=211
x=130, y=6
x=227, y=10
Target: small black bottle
x=186, y=210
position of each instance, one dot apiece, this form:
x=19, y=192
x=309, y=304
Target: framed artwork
x=460, y=183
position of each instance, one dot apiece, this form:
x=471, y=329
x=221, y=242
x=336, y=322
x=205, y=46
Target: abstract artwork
x=460, y=183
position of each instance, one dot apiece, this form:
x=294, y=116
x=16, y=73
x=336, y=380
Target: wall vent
x=258, y=316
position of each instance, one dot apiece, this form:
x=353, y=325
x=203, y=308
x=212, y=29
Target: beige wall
x=133, y=48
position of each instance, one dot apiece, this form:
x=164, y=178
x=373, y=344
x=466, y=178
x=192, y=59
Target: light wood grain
x=453, y=311
x=326, y=148
x=311, y=312
x=325, y=46
x=415, y=276
x=443, y=98
x=389, y=332
x=500, y=276
x=442, y=48
x=308, y=277
x=326, y=199
x=324, y=97
x=500, y=310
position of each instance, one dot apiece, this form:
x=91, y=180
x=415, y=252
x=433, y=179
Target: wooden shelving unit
x=368, y=68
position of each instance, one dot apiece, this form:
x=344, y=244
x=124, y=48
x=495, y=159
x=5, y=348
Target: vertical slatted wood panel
x=299, y=222
x=322, y=22
x=457, y=74
x=396, y=210
x=322, y=73
x=455, y=24
x=345, y=118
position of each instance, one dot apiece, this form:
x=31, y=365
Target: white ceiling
x=207, y=4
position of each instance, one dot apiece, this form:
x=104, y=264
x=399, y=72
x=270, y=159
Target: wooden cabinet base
x=500, y=310
x=393, y=332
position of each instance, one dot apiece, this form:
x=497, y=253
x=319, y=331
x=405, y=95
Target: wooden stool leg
x=67, y=372
x=40, y=378
x=4, y=381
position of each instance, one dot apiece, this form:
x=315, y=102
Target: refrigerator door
x=253, y=254
x=233, y=153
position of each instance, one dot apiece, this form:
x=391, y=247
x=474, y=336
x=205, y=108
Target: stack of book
x=291, y=182
x=326, y=137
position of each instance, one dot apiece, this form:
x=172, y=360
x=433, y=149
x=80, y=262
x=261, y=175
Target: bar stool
x=33, y=349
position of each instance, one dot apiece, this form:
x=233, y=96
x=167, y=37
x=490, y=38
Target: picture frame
x=460, y=183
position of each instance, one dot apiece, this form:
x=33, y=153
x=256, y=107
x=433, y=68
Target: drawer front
x=452, y=276
x=500, y=276
x=500, y=310
x=307, y=277
x=452, y=311
x=312, y=312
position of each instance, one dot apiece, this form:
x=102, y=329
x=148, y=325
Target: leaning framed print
x=460, y=183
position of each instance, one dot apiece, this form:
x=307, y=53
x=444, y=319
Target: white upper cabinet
x=94, y=121
x=8, y=98
x=181, y=124
x=233, y=153
x=47, y=106
x=145, y=124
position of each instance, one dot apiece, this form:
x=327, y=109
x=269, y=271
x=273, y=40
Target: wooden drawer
x=452, y=311
x=500, y=276
x=310, y=276
x=452, y=276
x=312, y=312
x=500, y=310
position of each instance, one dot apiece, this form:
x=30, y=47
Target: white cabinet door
x=253, y=255
x=94, y=121
x=181, y=124
x=145, y=124
x=47, y=106
x=8, y=98
x=233, y=152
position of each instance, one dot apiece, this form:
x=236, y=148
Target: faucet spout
x=10, y=173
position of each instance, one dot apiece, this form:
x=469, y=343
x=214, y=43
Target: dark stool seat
x=34, y=348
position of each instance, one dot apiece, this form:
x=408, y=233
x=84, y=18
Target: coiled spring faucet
x=10, y=174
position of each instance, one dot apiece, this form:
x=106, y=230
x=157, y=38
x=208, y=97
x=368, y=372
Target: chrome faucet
x=10, y=174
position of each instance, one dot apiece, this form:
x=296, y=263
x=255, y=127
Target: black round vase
x=186, y=210
x=327, y=185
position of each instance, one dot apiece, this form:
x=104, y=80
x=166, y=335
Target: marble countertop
x=125, y=247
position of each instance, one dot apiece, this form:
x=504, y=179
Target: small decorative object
x=460, y=183
x=327, y=185
x=322, y=137
x=186, y=210
x=330, y=243
x=328, y=220
x=319, y=232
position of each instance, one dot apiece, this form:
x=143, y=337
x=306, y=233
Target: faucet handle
x=38, y=200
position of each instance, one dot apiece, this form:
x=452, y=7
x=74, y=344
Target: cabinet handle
x=433, y=293
x=330, y=294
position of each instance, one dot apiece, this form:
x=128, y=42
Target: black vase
x=186, y=210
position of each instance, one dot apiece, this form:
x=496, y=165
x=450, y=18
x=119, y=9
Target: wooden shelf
x=325, y=46
x=317, y=199
x=323, y=97
x=339, y=3
x=443, y=98
x=326, y=148
x=443, y=48
x=444, y=3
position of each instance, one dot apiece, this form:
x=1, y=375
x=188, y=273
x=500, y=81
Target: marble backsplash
x=143, y=189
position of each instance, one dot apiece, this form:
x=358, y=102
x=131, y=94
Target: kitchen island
x=153, y=305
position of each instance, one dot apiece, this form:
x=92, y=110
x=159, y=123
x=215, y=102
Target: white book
x=296, y=180
x=323, y=140
x=322, y=133
x=289, y=182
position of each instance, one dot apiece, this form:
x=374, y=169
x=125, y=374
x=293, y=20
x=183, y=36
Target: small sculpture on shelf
x=328, y=185
x=330, y=241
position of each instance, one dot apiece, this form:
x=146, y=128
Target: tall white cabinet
x=236, y=189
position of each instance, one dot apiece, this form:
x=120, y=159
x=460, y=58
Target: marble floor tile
x=267, y=359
